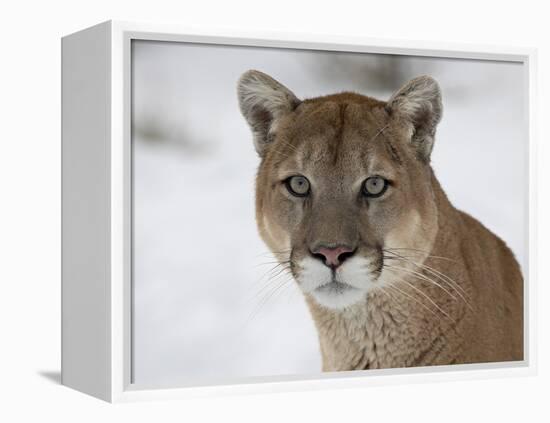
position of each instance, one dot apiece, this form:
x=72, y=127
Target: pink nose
x=333, y=257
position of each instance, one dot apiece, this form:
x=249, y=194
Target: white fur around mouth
x=335, y=290
x=335, y=287
x=337, y=295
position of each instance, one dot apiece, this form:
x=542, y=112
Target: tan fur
x=476, y=312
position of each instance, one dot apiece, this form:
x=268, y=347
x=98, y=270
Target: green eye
x=298, y=186
x=374, y=186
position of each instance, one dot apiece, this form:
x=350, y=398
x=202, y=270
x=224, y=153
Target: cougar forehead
x=326, y=136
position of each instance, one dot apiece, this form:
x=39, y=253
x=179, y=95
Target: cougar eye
x=374, y=186
x=298, y=185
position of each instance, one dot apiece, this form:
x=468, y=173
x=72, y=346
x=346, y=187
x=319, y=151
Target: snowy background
x=206, y=306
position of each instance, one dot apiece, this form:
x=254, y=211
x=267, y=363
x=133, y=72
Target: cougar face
x=340, y=182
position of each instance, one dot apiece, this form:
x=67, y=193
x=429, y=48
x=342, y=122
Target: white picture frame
x=96, y=210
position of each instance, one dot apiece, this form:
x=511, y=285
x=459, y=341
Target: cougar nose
x=333, y=257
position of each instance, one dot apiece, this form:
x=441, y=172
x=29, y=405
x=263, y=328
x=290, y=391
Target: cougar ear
x=262, y=101
x=419, y=101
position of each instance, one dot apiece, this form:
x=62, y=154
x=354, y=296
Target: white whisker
x=426, y=296
x=441, y=276
x=412, y=298
x=421, y=277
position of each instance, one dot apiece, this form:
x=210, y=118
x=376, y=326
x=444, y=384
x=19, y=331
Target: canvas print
x=302, y=212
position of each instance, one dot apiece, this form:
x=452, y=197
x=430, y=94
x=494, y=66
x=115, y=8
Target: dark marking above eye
x=339, y=136
x=393, y=153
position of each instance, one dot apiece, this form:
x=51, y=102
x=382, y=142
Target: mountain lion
x=346, y=200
